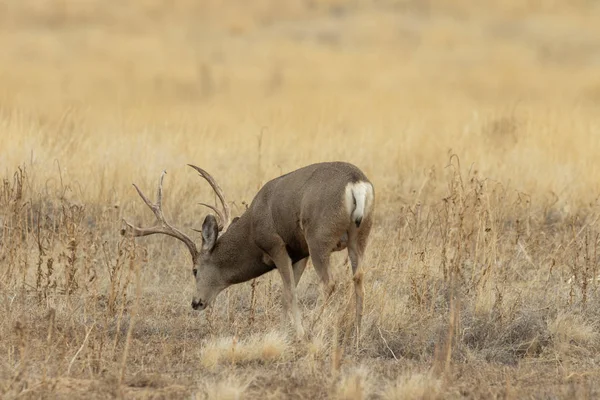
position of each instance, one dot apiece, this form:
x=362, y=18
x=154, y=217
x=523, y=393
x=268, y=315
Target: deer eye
x=195, y=271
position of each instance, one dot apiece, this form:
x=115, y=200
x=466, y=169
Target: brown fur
x=295, y=216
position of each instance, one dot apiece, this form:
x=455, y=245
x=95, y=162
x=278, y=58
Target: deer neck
x=237, y=255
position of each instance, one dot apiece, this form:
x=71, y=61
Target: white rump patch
x=359, y=200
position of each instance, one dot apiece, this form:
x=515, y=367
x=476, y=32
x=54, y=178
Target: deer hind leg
x=299, y=268
x=320, y=254
x=357, y=276
x=356, y=249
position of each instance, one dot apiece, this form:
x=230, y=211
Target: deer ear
x=210, y=232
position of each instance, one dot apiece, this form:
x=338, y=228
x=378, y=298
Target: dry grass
x=265, y=348
x=476, y=121
x=413, y=386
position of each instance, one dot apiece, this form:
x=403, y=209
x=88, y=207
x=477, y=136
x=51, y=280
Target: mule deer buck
x=312, y=211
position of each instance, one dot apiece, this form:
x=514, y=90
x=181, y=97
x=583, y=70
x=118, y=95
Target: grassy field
x=477, y=122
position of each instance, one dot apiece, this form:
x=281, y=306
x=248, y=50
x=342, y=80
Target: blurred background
x=257, y=88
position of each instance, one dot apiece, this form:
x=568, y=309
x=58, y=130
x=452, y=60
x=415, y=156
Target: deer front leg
x=290, y=299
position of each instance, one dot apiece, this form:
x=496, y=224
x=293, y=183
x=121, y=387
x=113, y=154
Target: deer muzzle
x=198, y=304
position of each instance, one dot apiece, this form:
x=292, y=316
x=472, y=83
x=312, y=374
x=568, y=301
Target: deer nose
x=198, y=304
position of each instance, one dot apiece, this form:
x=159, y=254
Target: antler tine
x=215, y=209
x=225, y=215
x=159, y=191
x=162, y=226
x=156, y=208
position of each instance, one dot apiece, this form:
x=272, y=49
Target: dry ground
x=477, y=122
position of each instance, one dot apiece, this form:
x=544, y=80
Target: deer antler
x=225, y=215
x=162, y=226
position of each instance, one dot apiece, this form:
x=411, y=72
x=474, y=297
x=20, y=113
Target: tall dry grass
x=477, y=123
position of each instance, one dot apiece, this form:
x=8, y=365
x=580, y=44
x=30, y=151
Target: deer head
x=209, y=281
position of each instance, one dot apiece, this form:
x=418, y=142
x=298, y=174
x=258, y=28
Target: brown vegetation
x=477, y=124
